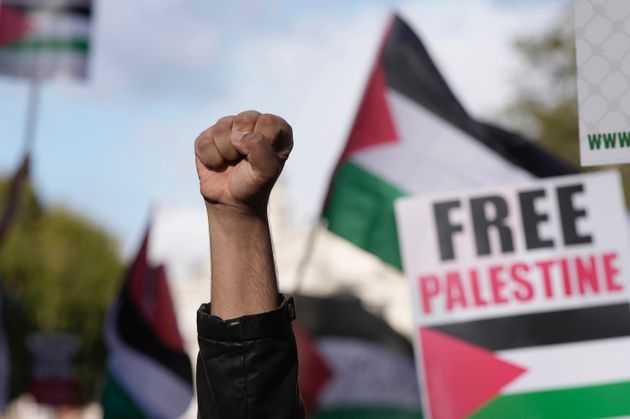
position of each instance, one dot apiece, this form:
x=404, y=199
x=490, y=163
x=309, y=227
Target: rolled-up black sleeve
x=247, y=367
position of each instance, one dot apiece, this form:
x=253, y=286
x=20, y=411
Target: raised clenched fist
x=239, y=159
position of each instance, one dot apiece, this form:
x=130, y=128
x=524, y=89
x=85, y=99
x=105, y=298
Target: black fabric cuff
x=257, y=326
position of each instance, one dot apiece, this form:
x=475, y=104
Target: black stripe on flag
x=538, y=329
x=410, y=71
x=79, y=9
x=138, y=334
x=344, y=316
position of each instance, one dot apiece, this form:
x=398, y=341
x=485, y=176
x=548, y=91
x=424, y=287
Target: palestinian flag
x=353, y=364
x=561, y=364
x=45, y=38
x=411, y=136
x=149, y=374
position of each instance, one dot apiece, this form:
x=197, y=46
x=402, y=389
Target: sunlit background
x=113, y=153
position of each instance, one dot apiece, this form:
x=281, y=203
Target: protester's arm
x=247, y=366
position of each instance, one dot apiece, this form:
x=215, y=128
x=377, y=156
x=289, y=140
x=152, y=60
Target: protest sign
x=521, y=298
x=53, y=379
x=602, y=37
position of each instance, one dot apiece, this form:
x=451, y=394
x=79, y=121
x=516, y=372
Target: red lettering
x=429, y=288
x=587, y=275
x=497, y=284
x=545, y=270
x=454, y=292
x=526, y=290
x=566, y=277
x=476, y=290
x=610, y=273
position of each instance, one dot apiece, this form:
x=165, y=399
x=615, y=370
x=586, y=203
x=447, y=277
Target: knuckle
x=222, y=125
x=247, y=117
x=201, y=142
x=197, y=143
x=267, y=120
x=225, y=120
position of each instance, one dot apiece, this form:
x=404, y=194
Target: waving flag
x=411, y=135
x=366, y=369
x=150, y=375
x=45, y=38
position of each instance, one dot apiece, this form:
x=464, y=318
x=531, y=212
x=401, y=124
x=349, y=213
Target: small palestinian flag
x=45, y=38
x=353, y=365
x=149, y=374
x=411, y=136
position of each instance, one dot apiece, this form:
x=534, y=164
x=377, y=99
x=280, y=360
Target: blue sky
x=163, y=70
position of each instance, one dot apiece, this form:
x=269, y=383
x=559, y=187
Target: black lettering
x=482, y=224
x=569, y=215
x=445, y=229
x=531, y=219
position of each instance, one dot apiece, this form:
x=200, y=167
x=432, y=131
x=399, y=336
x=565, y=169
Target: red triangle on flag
x=149, y=289
x=314, y=372
x=373, y=124
x=14, y=24
x=461, y=377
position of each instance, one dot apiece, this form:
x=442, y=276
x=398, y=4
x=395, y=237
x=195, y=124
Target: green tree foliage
x=59, y=273
x=546, y=107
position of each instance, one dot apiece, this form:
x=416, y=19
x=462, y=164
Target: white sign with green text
x=602, y=38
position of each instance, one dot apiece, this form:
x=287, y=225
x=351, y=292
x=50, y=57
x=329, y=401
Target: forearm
x=243, y=270
x=247, y=366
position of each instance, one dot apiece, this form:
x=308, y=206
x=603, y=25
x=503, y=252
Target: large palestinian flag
x=45, y=38
x=530, y=364
x=149, y=374
x=353, y=365
x=410, y=136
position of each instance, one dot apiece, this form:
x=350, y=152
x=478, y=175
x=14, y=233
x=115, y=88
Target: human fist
x=240, y=158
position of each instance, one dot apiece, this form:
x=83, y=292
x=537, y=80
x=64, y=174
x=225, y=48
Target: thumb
x=258, y=151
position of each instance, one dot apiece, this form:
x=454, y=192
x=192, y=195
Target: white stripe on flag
x=155, y=390
x=570, y=365
x=58, y=26
x=367, y=374
x=432, y=155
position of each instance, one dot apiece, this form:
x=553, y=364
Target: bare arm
x=247, y=365
x=238, y=161
x=243, y=270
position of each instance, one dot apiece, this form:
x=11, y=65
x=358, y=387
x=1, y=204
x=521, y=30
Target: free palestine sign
x=521, y=298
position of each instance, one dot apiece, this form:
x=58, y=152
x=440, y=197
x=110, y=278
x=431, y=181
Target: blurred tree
x=546, y=104
x=59, y=273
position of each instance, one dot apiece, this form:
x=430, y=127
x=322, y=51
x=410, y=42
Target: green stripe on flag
x=360, y=208
x=116, y=402
x=575, y=403
x=369, y=413
x=76, y=45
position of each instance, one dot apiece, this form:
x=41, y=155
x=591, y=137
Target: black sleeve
x=247, y=367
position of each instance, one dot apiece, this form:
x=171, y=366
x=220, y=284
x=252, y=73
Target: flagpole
x=32, y=113
x=7, y=214
x=307, y=256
